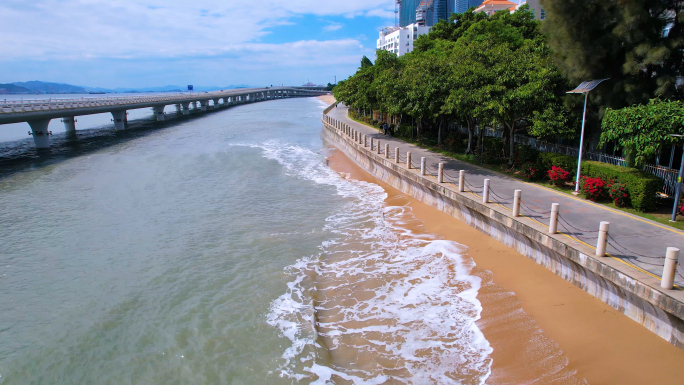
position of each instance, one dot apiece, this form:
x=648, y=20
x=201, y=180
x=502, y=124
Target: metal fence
x=668, y=175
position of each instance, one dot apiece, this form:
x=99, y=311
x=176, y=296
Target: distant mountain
x=13, y=89
x=36, y=86
x=51, y=88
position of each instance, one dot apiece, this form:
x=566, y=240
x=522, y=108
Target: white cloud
x=72, y=29
x=332, y=27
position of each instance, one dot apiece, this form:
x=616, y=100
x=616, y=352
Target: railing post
x=440, y=173
x=408, y=160
x=516, y=202
x=485, y=192
x=422, y=165
x=461, y=181
x=553, y=222
x=378, y=147
x=602, y=239
x=365, y=141
x=396, y=155
x=386, y=150
x=670, y=267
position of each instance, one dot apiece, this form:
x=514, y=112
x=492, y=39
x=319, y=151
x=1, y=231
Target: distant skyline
x=149, y=43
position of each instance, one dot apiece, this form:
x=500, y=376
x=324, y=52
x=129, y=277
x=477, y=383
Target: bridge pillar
x=203, y=104
x=41, y=135
x=186, y=108
x=159, y=112
x=69, y=124
x=216, y=104
x=119, y=119
x=178, y=109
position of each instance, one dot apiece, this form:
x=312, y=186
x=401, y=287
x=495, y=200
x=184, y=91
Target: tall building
x=442, y=10
x=400, y=39
x=407, y=12
x=464, y=5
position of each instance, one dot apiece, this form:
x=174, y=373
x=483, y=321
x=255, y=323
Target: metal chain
x=560, y=217
x=628, y=250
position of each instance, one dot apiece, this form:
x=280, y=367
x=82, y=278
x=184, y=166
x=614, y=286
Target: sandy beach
x=542, y=328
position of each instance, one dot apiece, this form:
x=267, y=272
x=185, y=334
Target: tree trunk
x=480, y=141
x=471, y=132
x=439, y=132
x=511, y=140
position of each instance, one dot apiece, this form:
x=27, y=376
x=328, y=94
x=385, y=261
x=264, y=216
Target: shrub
x=531, y=171
x=594, y=188
x=558, y=176
x=550, y=159
x=523, y=155
x=619, y=194
x=641, y=187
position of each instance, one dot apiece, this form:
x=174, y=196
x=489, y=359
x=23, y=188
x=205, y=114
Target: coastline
x=526, y=300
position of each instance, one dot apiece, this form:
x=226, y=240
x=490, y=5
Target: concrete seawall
x=638, y=297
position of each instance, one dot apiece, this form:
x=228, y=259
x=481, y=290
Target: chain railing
x=650, y=263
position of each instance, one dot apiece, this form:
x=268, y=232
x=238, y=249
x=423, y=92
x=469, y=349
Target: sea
x=221, y=249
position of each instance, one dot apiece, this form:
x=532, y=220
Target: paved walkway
x=635, y=241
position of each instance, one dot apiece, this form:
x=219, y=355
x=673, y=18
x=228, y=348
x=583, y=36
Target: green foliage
x=642, y=187
x=549, y=159
x=365, y=62
x=644, y=128
x=618, y=39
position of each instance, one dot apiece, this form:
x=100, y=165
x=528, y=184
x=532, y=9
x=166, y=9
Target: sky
x=148, y=43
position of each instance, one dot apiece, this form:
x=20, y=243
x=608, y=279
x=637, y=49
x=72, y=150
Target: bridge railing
x=18, y=106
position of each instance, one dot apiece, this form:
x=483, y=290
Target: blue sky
x=145, y=43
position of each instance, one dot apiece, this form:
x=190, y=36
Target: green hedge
x=548, y=159
x=642, y=186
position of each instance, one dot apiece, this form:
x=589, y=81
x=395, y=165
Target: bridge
x=38, y=113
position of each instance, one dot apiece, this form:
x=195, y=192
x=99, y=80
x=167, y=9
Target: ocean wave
x=380, y=302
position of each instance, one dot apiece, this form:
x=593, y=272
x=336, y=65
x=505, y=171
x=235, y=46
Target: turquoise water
x=222, y=249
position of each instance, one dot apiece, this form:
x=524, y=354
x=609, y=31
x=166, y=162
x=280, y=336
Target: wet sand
x=542, y=328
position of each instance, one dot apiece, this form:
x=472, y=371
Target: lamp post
x=678, y=187
x=583, y=88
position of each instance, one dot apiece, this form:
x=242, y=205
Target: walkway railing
x=668, y=175
x=650, y=264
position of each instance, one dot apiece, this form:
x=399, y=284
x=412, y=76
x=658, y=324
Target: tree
x=624, y=40
x=366, y=62
x=644, y=129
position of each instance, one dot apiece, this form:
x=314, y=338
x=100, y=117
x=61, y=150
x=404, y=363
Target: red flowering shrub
x=619, y=194
x=595, y=189
x=531, y=171
x=558, y=176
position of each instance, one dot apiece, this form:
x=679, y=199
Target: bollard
x=461, y=181
x=485, y=191
x=408, y=160
x=365, y=141
x=602, y=239
x=440, y=173
x=371, y=144
x=386, y=150
x=670, y=267
x=379, y=152
x=553, y=222
x=422, y=165
x=516, y=202
x=396, y=155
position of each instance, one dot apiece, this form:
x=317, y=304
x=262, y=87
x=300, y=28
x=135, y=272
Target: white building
x=400, y=39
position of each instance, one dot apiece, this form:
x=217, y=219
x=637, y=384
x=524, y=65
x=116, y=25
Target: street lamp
x=678, y=188
x=583, y=88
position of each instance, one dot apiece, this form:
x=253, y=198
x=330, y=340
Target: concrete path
x=635, y=241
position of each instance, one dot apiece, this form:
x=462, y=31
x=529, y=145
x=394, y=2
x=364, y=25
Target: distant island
x=39, y=87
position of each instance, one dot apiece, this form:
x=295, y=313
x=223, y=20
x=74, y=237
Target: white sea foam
x=380, y=302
